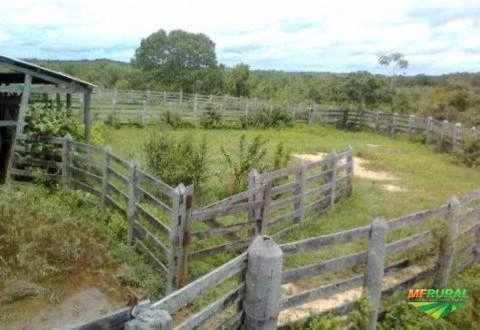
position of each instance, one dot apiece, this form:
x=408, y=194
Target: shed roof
x=43, y=74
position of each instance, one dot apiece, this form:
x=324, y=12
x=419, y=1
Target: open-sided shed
x=18, y=81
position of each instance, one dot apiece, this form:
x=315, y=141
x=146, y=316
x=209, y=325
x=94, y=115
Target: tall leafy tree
x=180, y=59
x=238, y=80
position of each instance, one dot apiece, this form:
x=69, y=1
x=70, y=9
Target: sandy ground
x=317, y=306
x=80, y=307
x=360, y=170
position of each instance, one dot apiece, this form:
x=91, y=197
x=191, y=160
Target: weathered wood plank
x=159, y=184
x=115, y=189
x=326, y=291
x=142, y=232
x=112, y=203
x=87, y=148
x=293, y=275
x=161, y=206
x=473, y=196
x=198, y=319
x=152, y=220
x=223, y=230
x=228, y=247
x=85, y=172
x=408, y=282
x=185, y=295
x=278, y=204
x=117, y=175
x=117, y=160
x=153, y=259
x=207, y=214
x=284, y=217
x=417, y=217
x=281, y=189
x=316, y=243
x=234, y=323
x=83, y=186
x=409, y=242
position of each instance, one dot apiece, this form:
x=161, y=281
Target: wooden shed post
x=262, y=284
x=374, y=269
x=87, y=99
x=27, y=84
x=447, y=243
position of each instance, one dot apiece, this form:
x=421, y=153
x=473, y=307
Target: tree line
x=180, y=60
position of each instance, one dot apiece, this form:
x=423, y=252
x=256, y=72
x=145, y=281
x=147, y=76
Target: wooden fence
x=163, y=222
x=448, y=136
x=380, y=259
x=148, y=107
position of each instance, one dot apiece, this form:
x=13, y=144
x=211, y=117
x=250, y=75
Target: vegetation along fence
x=448, y=136
x=163, y=222
x=270, y=285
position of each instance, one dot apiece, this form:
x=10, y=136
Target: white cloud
x=436, y=36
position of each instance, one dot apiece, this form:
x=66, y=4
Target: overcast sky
x=437, y=37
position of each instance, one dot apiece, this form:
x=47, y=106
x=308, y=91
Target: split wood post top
x=263, y=279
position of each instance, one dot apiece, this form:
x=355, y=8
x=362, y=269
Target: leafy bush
x=281, y=157
x=268, y=117
x=173, y=120
x=177, y=161
x=249, y=156
x=470, y=151
x=212, y=118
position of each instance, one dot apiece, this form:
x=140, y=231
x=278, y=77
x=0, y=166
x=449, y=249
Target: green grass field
x=428, y=178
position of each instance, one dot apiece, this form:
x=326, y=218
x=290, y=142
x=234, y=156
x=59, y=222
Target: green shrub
x=177, y=161
x=268, y=117
x=470, y=151
x=248, y=156
x=212, y=118
x=173, y=120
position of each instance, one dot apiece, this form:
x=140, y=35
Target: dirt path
x=360, y=170
x=82, y=298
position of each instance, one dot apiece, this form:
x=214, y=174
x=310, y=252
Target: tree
x=238, y=80
x=179, y=59
x=394, y=60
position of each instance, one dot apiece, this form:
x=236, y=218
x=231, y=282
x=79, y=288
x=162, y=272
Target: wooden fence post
x=394, y=123
x=443, y=133
x=310, y=115
x=267, y=198
x=255, y=213
x=106, y=163
x=477, y=244
x=429, y=131
x=447, y=243
x=374, y=269
x=299, y=204
x=195, y=108
x=67, y=159
x=345, y=118
x=294, y=111
x=377, y=122
x=457, y=131
x=150, y=319
x=164, y=97
x=144, y=113
x=114, y=104
x=412, y=123
x=262, y=284
x=132, y=200
x=333, y=181
x=474, y=131
x=181, y=96
x=176, y=256
x=350, y=170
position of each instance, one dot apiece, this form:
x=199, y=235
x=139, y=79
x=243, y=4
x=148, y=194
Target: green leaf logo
x=438, y=309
